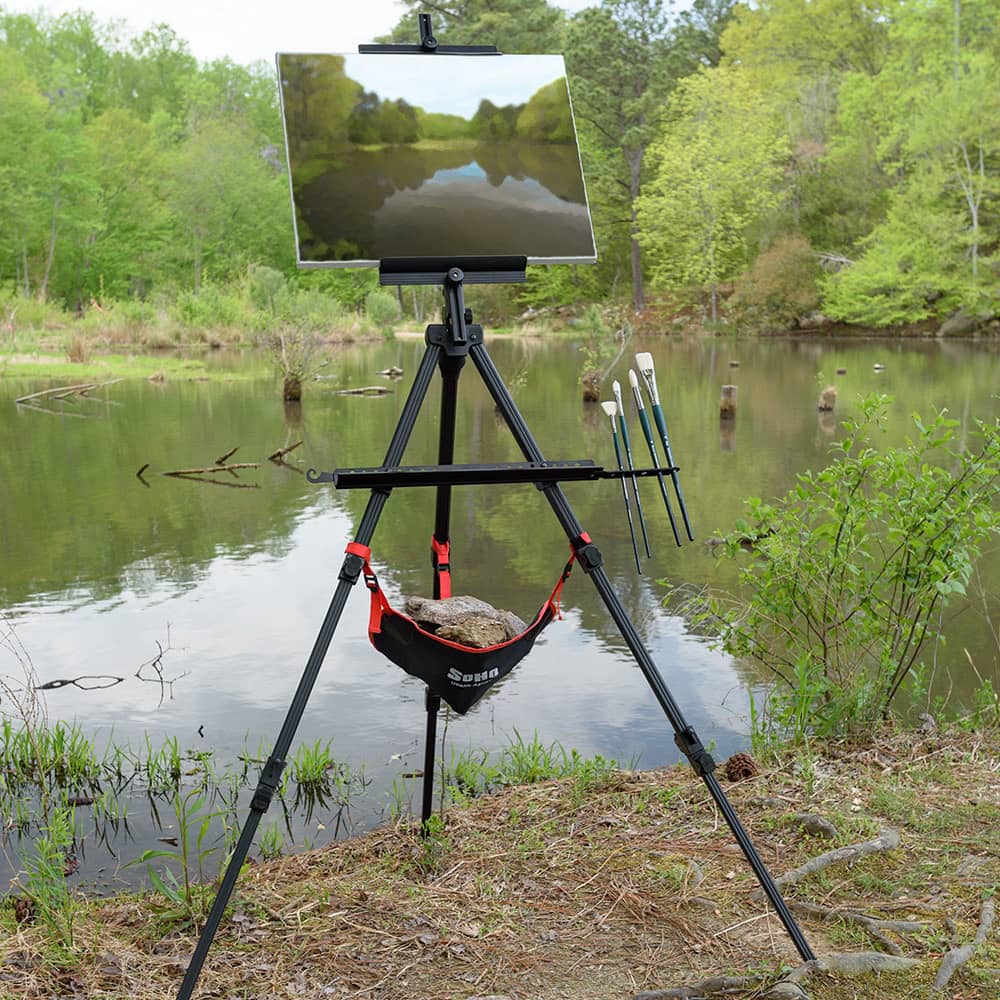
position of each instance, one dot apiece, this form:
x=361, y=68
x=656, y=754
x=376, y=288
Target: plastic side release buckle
x=587, y=553
x=268, y=785
x=700, y=759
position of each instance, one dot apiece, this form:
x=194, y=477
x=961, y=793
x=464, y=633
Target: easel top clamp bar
x=429, y=45
x=434, y=270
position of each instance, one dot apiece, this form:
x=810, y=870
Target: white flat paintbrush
x=611, y=409
x=647, y=433
x=644, y=362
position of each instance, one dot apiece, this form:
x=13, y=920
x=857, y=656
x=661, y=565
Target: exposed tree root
x=717, y=986
x=874, y=925
x=958, y=957
x=888, y=840
x=848, y=964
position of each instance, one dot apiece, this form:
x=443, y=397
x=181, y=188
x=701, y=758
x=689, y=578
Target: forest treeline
x=324, y=103
x=759, y=163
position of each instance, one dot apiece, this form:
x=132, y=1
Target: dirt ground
x=567, y=890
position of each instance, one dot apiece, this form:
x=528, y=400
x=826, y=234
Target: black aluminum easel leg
x=590, y=560
x=271, y=774
x=451, y=367
x=433, y=704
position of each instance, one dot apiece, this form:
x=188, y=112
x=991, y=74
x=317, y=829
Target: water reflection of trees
x=336, y=210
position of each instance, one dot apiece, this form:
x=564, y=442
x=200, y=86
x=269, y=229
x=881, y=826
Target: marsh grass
x=531, y=891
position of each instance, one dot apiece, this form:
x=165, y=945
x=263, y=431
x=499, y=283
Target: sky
x=253, y=29
x=511, y=80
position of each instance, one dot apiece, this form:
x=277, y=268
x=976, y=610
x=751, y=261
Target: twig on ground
x=958, y=957
x=888, y=840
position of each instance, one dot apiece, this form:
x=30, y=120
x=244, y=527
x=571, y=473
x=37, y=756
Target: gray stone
x=959, y=324
x=465, y=619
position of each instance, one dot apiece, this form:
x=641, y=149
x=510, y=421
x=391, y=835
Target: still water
x=99, y=571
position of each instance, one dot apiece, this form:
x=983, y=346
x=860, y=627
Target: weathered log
x=364, y=390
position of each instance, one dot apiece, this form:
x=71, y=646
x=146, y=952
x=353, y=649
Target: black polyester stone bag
x=459, y=674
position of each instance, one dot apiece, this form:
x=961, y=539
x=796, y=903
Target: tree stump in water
x=827, y=399
x=291, y=389
x=727, y=403
x=591, y=387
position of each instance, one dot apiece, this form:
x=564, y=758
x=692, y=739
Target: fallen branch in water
x=279, y=455
x=958, y=957
x=364, y=390
x=209, y=470
x=888, y=840
x=221, y=460
x=62, y=391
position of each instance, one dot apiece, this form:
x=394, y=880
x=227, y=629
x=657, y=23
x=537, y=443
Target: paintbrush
x=611, y=409
x=627, y=444
x=647, y=433
x=644, y=362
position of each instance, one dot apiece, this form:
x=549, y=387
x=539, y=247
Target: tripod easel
x=448, y=346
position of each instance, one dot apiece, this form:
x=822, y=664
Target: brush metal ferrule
x=617, y=390
x=649, y=377
x=633, y=381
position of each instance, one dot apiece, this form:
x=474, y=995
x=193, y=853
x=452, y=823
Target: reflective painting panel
x=432, y=156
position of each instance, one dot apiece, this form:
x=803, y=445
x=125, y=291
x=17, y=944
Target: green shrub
x=210, y=308
x=852, y=567
x=382, y=309
x=781, y=285
x=21, y=313
x=309, y=309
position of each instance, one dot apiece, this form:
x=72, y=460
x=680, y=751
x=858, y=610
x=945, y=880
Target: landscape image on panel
x=432, y=156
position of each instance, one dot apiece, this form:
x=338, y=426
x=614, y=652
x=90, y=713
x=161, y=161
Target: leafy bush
x=852, y=568
x=780, y=286
x=382, y=309
x=210, y=308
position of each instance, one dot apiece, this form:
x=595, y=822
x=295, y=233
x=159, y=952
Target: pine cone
x=24, y=910
x=741, y=767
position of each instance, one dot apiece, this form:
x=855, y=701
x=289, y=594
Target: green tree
x=546, y=117
x=23, y=162
x=938, y=136
x=230, y=205
x=624, y=63
x=510, y=25
x=718, y=168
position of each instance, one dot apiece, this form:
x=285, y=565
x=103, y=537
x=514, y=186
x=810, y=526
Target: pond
x=205, y=599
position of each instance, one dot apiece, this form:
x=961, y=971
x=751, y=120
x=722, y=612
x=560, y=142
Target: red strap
x=556, y=596
x=357, y=549
x=442, y=566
